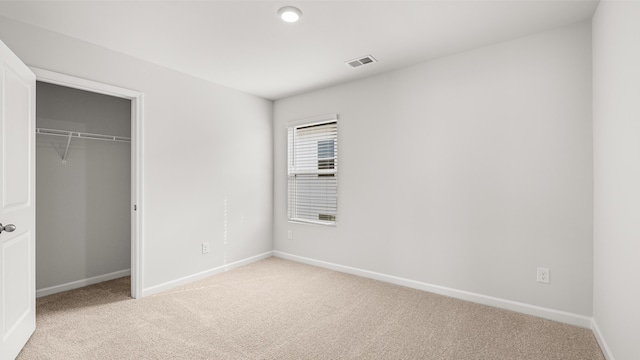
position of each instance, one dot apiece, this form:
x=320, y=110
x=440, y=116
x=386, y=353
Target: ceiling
x=245, y=46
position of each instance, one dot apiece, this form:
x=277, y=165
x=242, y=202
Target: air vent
x=361, y=61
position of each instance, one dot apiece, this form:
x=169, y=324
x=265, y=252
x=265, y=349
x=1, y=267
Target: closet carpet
x=278, y=309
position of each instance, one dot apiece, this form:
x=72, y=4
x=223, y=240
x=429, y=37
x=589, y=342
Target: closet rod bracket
x=66, y=151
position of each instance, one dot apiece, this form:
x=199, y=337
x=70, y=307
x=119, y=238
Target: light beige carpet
x=278, y=309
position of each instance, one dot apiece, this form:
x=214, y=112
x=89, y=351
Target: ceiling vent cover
x=364, y=60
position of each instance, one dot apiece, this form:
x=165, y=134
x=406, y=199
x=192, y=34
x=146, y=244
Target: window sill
x=310, y=222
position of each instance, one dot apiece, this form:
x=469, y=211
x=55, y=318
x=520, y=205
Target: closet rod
x=80, y=135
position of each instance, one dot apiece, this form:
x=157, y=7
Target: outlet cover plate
x=205, y=247
x=543, y=275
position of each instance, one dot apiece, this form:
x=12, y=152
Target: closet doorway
x=88, y=183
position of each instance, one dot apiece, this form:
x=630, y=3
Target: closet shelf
x=80, y=135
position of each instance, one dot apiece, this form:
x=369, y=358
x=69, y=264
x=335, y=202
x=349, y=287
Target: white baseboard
x=82, y=283
x=546, y=313
x=203, y=274
x=600, y=337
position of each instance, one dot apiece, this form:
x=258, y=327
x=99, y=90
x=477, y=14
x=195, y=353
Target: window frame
x=302, y=123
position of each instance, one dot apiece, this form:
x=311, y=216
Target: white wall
x=466, y=172
x=616, y=133
x=83, y=214
x=203, y=144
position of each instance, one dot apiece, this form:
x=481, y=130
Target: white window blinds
x=313, y=172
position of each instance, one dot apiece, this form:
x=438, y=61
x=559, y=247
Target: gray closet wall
x=82, y=207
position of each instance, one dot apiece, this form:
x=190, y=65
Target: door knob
x=8, y=228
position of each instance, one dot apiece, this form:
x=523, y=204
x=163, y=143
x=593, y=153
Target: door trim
x=137, y=157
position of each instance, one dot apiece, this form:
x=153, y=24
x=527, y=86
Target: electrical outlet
x=205, y=247
x=290, y=234
x=543, y=275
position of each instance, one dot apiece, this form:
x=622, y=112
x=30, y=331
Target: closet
x=83, y=188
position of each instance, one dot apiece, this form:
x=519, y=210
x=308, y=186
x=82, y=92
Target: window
x=313, y=172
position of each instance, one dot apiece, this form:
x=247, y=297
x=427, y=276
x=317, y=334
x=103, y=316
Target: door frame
x=137, y=151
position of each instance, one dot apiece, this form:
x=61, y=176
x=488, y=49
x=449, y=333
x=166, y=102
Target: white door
x=17, y=204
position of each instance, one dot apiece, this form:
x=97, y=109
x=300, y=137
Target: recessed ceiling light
x=290, y=14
